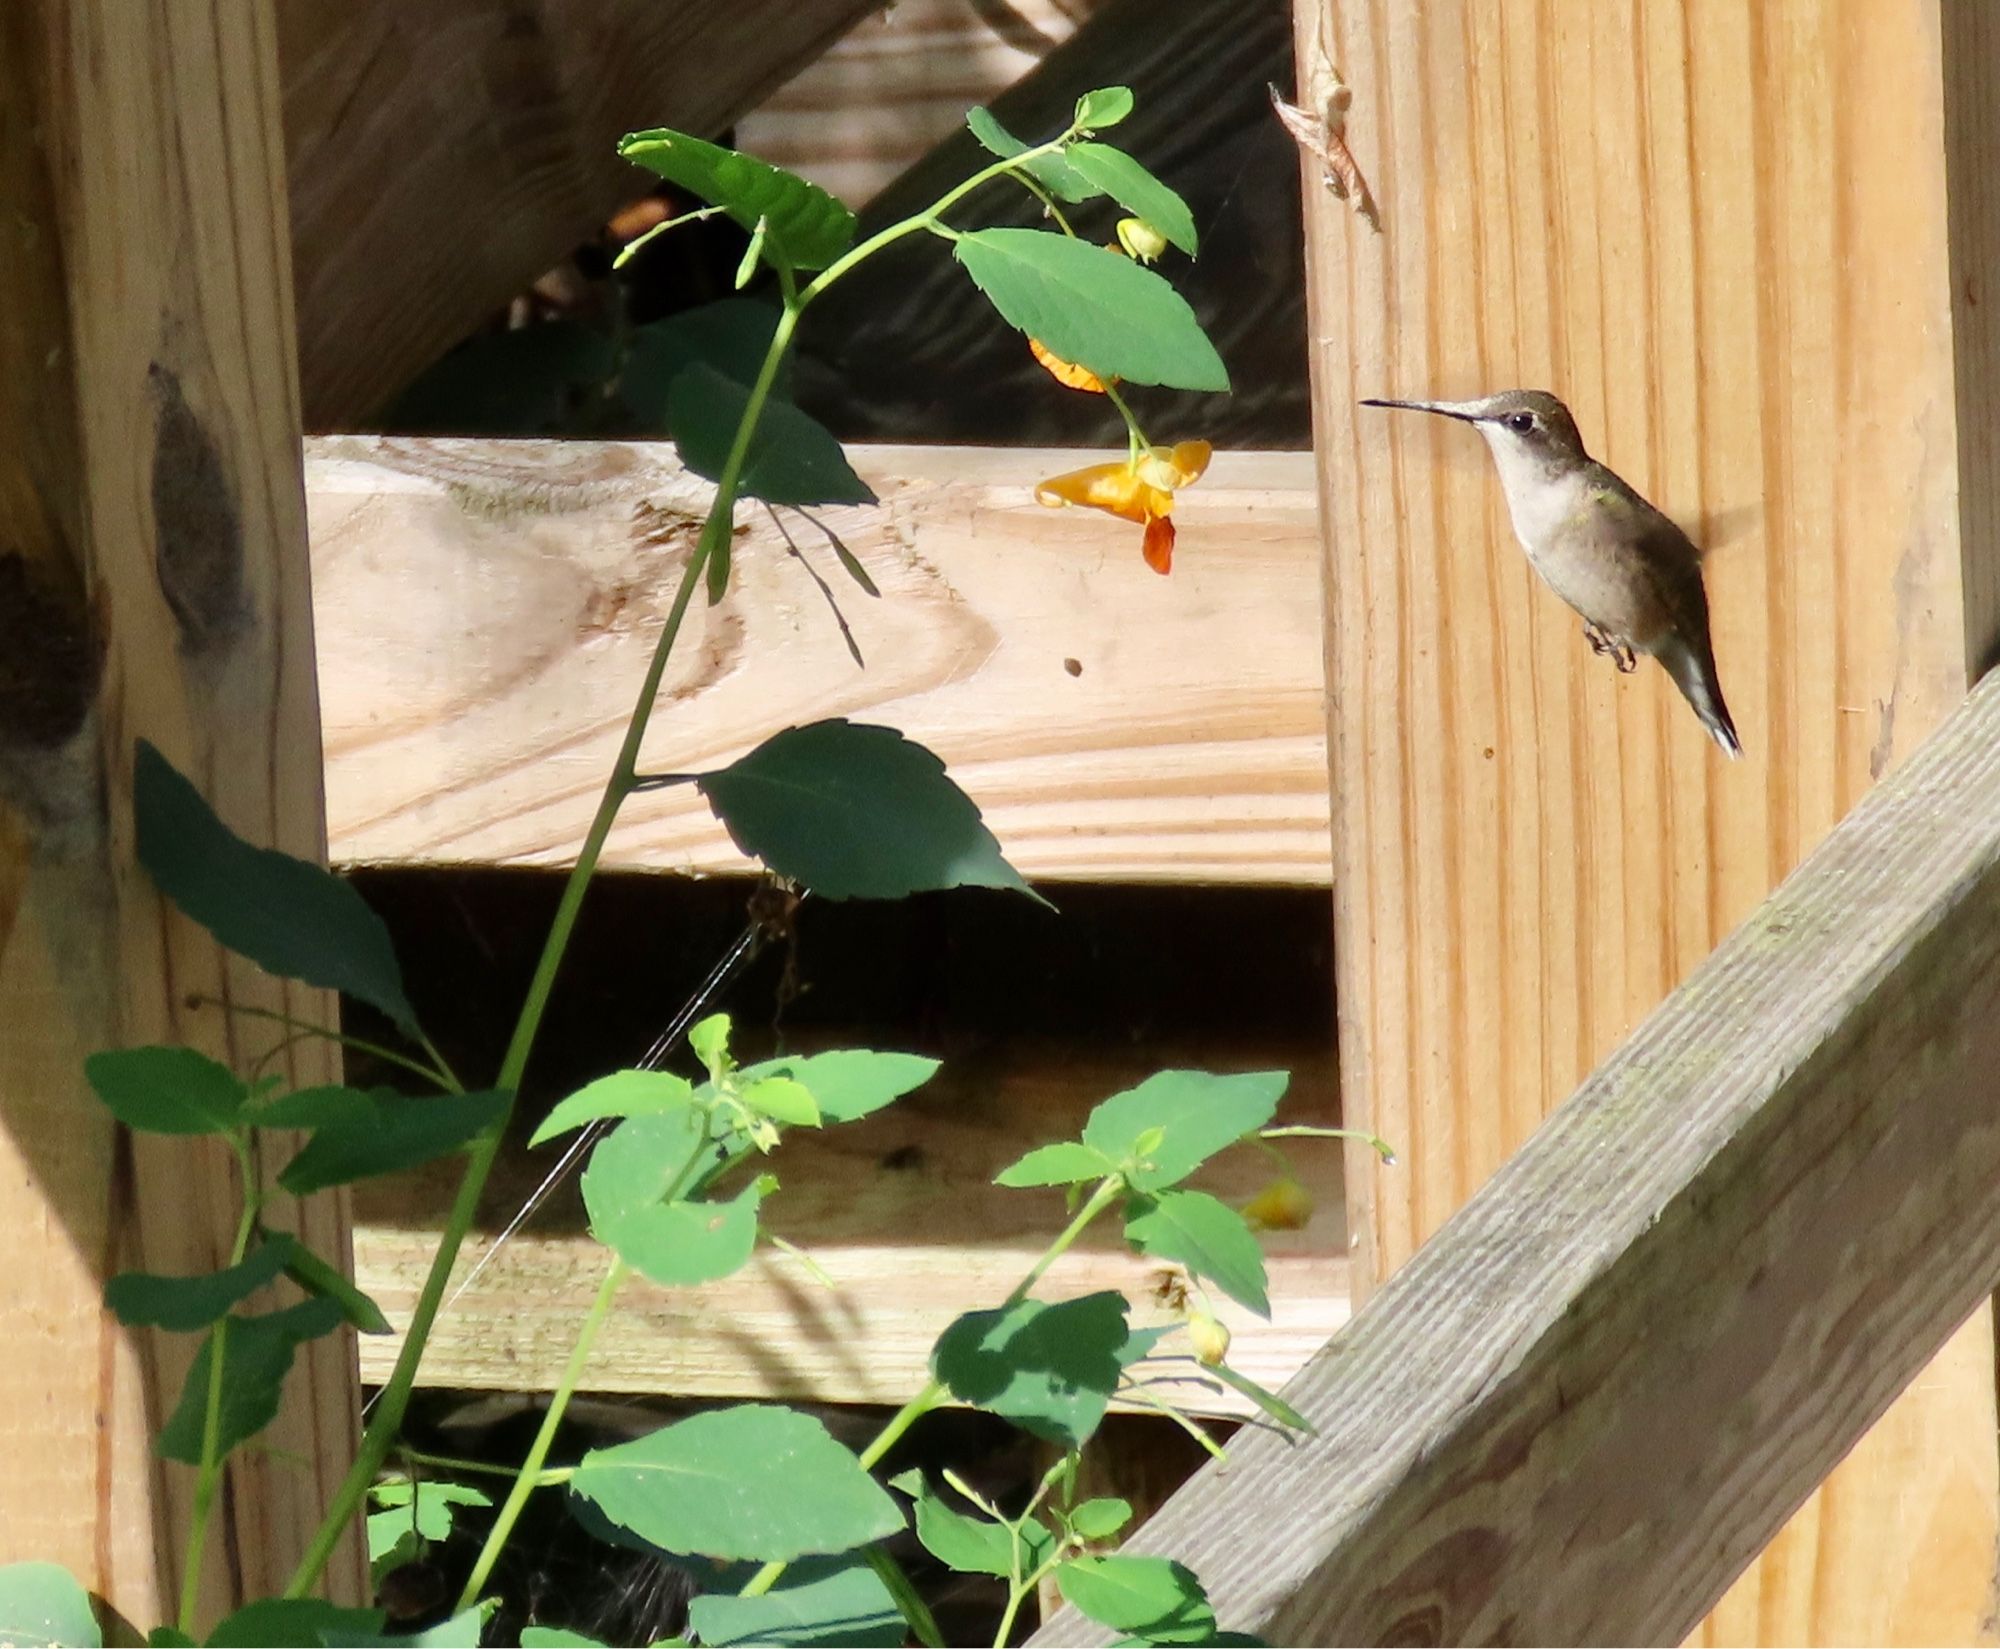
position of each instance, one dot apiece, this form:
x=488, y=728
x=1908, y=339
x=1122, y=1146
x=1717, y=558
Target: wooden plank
x=899, y=83
x=1667, y=214
x=1581, y=1408
x=153, y=582
x=486, y=608
x=443, y=157
x=901, y=1214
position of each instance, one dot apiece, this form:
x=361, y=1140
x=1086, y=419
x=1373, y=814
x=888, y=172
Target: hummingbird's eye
x=1520, y=422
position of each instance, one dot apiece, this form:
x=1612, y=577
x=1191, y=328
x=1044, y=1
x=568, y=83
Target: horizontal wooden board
x=485, y=610
x=899, y=1211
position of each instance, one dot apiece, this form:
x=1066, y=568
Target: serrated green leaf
x=292, y=1620
x=167, y=1090
x=1150, y=1595
x=731, y=336
x=555, y=1637
x=968, y=1544
x=1100, y=1519
x=1092, y=306
x=1194, y=1114
x=434, y=1516
x=256, y=1359
x=539, y=379
x=1106, y=106
x=848, y=1083
x=319, y=1277
x=292, y=918
x=309, y=1108
x=383, y=1131
x=708, y=1041
x=753, y=1482
x=141, y=1299
x=621, y=1094
x=807, y=224
x=1051, y=171
x=1049, y=1368
x=793, y=457
x=462, y=1631
x=643, y=1161
x=43, y=1605
x=782, y=1099
x=1207, y=1236
x=1064, y=1163
x=681, y=1243
x=856, y=812
x=822, y=1602
x=1136, y=189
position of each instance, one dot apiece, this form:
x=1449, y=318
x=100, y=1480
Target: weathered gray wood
x=1586, y=1403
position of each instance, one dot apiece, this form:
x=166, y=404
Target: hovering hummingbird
x=1628, y=570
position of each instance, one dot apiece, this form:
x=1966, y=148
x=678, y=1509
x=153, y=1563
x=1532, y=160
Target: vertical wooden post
x=1748, y=245
x=153, y=582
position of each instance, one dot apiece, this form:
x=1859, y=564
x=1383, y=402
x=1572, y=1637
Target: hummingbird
x=1628, y=571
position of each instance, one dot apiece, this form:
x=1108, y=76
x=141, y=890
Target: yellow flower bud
x=1283, y=1205
x=1210, y=1337
x=1140, y=239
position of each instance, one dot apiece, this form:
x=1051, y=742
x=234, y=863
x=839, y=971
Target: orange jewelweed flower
x=1283, y=1205
x=1066, y=373
x=1140, y=489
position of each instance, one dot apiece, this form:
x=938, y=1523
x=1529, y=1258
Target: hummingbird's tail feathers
x=1693, y=670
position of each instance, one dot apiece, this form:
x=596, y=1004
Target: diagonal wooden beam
x=1593, y=1396
x=444, y=156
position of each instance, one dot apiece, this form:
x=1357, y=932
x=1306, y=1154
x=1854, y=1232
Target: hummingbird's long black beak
x=1447, y=409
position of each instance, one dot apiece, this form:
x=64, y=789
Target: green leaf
x=1136, y=189
x=167, y=1090
x=708, y=1041
x=1092, y=306
x=382, y=1132
x=621, y=1094
x=539, y=379
x=318, y=1277
x=782, y=1100
x=1049, y=1368
x=1065, y=1163
x=682, y=1243
x=286, y=1620
x=970, y=1545
x=42, y=1604
x=809, y=227
x=821, y=1601
x=1051, y=171
x=255, y=1362
x=856, y=812
x=1208, y=1237
x=290, y=917
x=731, y=336
x=555, y=1637
x=1269, y=1401
x=141, y=1299
x=168, y=1637
x=793, y=457
x=753, y=1482
x=642, y=1161
x=1150, y=1595
x=849, y=1082
x=305, y=1108
x=462, y=1631
x=434, y=1515
x=1104, y=107
x=1100, y=1519
x=1193, y=1114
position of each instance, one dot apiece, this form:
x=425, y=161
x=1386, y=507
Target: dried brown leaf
x=1323, y=135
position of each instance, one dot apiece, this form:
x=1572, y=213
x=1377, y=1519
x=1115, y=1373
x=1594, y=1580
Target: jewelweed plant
x=676, y=1184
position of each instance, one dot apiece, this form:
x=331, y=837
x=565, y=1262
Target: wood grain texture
x=898, y=83
x=901, y=1214
x=1578, y=1411
x=444, y=156
x=1670, y=214
x=486, y=610
x=152, y=554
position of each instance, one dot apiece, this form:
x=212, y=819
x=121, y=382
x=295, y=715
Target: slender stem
x=209, y=1476
x=538, y=1452
x=908, y=1599
x=1108, y=1191
x=1135, y=436
x=440, y=1074
x=454, y=1463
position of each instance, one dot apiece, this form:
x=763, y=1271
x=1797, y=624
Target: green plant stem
x=529, y=1478
x=208, y=1477
x=377, y=1440
x=908, y=1599
x=454, y=1463
x=440, y=1073
x=1109, y=1190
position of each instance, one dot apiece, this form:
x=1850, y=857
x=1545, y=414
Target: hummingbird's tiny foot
x=1603, y=643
